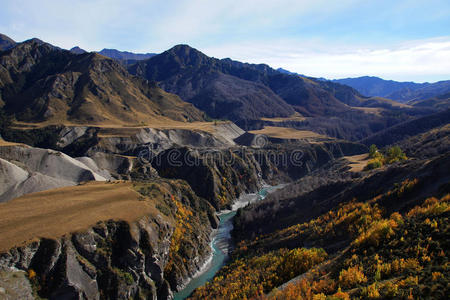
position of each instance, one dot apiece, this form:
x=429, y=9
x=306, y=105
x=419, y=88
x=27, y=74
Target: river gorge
x=222, y=242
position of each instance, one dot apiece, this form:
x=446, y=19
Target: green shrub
x=378, y=159
x=395, y=154
x=374, y=164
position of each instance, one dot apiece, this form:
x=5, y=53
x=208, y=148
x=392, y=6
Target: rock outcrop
x=26, y=170
x=131, y=140
x=87, y=265
x=142, y=259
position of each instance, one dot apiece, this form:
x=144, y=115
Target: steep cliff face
x=220, y=176
x=86, y=140
x=88, y=265
x=131, y=141
x=143, y=259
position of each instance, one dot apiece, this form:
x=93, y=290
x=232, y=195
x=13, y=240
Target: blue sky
x=399, y=40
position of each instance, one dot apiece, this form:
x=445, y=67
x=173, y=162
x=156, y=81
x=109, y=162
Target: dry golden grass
x=57, y=212
x=357, y=162
x=279, y=120
x=4, y=143
x=288, y=133
x=370, y=110
x=306, y=79
x=294, y=117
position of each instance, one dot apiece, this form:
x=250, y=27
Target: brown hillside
x=53, y=213
x=39, y=83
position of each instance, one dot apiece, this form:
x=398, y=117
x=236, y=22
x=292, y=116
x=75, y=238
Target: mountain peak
x=35, y=40
x=185, y=55
x=77, y=50
x=38, y=42
x=184, y=50
x=183, y=47
x=6, y=42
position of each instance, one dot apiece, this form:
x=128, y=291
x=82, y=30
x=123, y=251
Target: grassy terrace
x=288, y=133
x=357, y=162
x=54, y=213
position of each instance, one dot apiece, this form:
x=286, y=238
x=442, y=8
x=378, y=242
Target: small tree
x=373, y=150
x=377, y=158
x=395, y=154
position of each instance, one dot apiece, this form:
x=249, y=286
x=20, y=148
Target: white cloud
x=314, y=37
x=415, y=60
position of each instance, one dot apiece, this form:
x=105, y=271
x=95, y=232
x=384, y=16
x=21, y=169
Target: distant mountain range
x=41, y=82
x=249, y=94
x=230, y=89
x=399, y=91
x=368, y=86
x=124, y=57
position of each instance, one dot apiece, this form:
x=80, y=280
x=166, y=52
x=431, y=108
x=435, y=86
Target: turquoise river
x=222, y=243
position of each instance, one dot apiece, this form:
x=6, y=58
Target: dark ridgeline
x=247, y=90
x=245, y=93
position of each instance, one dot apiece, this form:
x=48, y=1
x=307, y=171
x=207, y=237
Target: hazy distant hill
x=375, y=86
x=39, y=82
x=125, y=55
x=399, y=91
x=428, y=90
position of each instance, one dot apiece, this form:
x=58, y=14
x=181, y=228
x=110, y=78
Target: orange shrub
x=379, y=231
x=351, y=277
